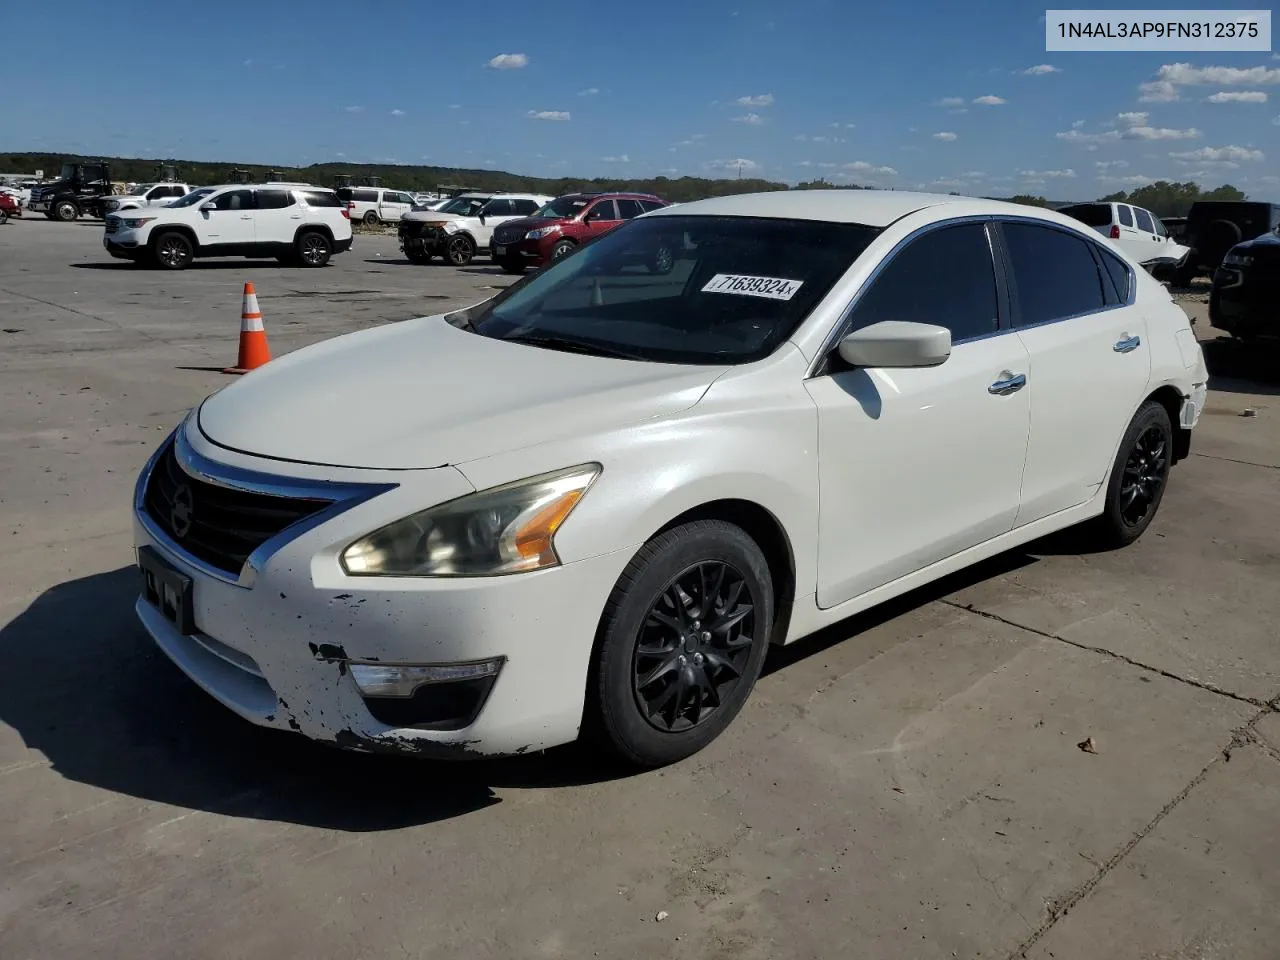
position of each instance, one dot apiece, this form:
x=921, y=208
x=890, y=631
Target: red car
x=564, y=223
x=10, y=206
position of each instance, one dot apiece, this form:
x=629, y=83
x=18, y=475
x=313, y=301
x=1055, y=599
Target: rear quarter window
x=1090, y=214
x=321, y=198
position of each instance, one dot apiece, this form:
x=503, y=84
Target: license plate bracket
x=499, y=251
x=167, y=589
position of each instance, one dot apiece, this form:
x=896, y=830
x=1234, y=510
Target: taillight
x=346, y=212
x=1115, y=232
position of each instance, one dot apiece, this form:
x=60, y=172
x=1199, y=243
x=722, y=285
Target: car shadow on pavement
x=85, y=686
x=238, y=264
x=1236, y=367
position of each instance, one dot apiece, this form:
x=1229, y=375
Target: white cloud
x=804, y=163
x=760, y=100
x=1040, y=69
x=1132, y=126
x=397, y=113
x=1160, y=133
x=621, y=158
x=1171, y=76
x=1239, y=96
x=1219, y=154
x=861, y=166
x=1066, y=174
x=549, y=115
x=751, y=119
x=508, y=61
x=990, y=101
x=1111, y=164
x=1133, y=119
x=741, y=163
x=802, y=138
x=1136, y=179
x=847, y=126
x=1077, y=124
x=354, y=109
x=945, y=136
x=589, y=92
x=973, y=175
x=950, y=102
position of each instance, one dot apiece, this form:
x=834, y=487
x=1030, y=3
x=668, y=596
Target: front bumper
x=529, y=253
x=275, y=644
x=124, y=245
x=430, y=242
x=39, y=206
x=1244, y=301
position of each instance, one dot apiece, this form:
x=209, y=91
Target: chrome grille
x=216, y=524
x=508, y=235
x=112, y=224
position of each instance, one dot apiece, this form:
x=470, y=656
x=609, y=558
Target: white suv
x=1138, y=232
x=146, y=195
x=295, y=224
x=374, y=205
x=464, y=225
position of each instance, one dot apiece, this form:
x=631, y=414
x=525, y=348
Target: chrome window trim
x=833, y=337
x=343, y=494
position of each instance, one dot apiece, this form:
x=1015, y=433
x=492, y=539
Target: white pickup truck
x=145, y=195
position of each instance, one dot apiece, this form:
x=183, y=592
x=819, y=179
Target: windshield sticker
x=771, y=288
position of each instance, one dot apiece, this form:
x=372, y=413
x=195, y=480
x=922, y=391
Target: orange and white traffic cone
x=254, y=351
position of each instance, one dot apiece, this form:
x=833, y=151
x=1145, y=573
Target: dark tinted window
x=1054, y=273
x=1144, y=220
x=234, y=200
x=1091, y=214
x=943, y=277
x=627, y=209
x=1126, y=215
x=321, y=198
x=345, y=195
x=602, y=211
x=274, y=199
x=648, y=205
x=1120, y=276
x=525, y=208
x=497, y=208
x=365, y=196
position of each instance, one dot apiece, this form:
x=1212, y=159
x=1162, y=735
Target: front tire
x=66, y=211
x=459, y=250
x=1138, y=478
x=415, y=255
x=172, y=251
x=4, y=216
x=561, y=249
x=681, y=643
x=313, y=249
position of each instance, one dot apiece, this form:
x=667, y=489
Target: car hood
x=422, y=216
x=1268, y=241
x=424, y=393
x=532, y=223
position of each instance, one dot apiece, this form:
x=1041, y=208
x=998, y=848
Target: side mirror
x=208, y=207
x=897, y=343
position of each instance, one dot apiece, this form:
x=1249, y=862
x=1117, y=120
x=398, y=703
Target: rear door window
x=234, y=200
x=274, y=199
x=601, y=212
x=629, y=209
x=1144, y=220
x=651, y=205
x=1054, y=274
x=322, y=198
x=1126, y=215
x=525, y=208
x=944, y=277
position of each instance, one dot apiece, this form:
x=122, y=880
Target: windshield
x=68, y=171
x=466, y=206
x=678, y=289
x=195, y=196
x=563, y=208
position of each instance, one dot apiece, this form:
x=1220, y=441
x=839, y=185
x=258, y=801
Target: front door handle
x=1010, y=384
x=1127, y=344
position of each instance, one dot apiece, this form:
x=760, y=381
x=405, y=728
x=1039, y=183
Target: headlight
x=541, y=232
x=1237, y=260
x=449, y=226
x=507, y=529
x=113, y=204
x=134, y=222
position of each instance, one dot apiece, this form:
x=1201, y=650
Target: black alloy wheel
x=563, y=248
x=1145, y=473
x=1138, y=478
x=314, y=249
x=694, y=646
x=459, y=250
x=681, y=642
x=173, y=251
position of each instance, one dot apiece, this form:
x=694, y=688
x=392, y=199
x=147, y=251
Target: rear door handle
x=1002, y=388
x=1127, y=344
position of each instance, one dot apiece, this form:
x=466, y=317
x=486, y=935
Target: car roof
x=874, y=208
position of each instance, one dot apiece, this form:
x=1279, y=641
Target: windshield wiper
x=569, y=345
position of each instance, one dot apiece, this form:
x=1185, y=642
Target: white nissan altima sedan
x=588, y=505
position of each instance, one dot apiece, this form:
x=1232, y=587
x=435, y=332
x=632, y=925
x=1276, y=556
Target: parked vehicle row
x=462, y=226
x=1137, y=231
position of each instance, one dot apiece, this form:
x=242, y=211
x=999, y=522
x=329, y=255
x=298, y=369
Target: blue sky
x=924, y=95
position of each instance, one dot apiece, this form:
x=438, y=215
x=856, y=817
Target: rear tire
x=667, y=679
x=370, y=219
x=172, y=251
x=1138, y=478
x=313, y=249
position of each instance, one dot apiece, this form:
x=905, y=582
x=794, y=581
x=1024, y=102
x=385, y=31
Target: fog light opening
x=447, y=696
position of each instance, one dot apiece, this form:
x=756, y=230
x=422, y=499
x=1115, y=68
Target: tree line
x=1162, y=198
